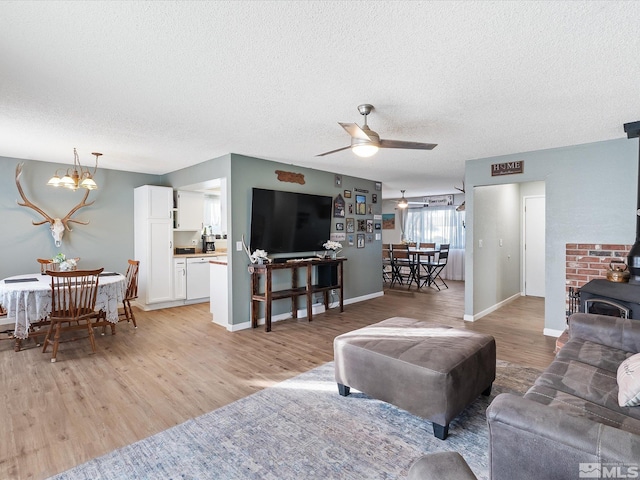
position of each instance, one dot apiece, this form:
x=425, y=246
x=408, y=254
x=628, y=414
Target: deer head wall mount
x=57, y=225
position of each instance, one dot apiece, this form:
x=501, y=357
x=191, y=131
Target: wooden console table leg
x=340, y=286
x=294, y=298
x=309, y=293
x=254, y=303
x=267, y=303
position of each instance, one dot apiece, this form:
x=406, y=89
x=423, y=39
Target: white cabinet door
x=160, y=255
x=190, y=210
x=160, y=202
x=179, y=279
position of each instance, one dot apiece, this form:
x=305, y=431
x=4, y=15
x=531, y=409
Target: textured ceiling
x=158, y=86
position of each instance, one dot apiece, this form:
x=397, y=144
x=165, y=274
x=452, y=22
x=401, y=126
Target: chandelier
x=79, y=177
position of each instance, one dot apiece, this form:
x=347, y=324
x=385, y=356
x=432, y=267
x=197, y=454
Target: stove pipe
x=633, y=259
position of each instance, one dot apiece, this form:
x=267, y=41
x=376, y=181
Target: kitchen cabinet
x=189, y=211
x=153, y=243
x=179, y=278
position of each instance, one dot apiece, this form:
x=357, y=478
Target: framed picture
x=361, y=205
x=351, y=225
x=369, y=238
x=347, y=194
x=369, y=226
x=362, y=226
x=350, y=209
x=350, y=240
x=388, y=221
x=374, y=198
x=370, y=210
x=377, y=226
x=339, y=226
x=338, y=207
x=378, y=186
x=360, y=240
x=338, y=180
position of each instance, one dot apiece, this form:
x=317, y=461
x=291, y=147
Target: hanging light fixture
x=80, y=177
x=403, y=203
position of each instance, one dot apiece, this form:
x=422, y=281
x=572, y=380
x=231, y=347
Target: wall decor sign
x=439, y=200
x=508, y=168
x=347, y=194
x=388, y=221
x=337, y=237
x=338, y=207
x=290, y=177
x=361, y=206
x=361, y=190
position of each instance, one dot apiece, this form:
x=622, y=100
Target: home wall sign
x=290, y=177
x=508, y=168
x=338, y=207
x=361, y=190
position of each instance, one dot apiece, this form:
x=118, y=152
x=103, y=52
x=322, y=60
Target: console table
x=295, y=291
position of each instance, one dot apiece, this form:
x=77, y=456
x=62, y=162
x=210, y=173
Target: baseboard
x=302, y=313
x=493, y=308
x=170, y=304
x=550, y=332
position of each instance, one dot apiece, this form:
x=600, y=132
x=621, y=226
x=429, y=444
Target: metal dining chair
x=404, y=268
x=73, y=301
x=435, y=268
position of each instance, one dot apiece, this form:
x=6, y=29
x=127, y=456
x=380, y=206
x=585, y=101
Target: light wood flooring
x=178, y=365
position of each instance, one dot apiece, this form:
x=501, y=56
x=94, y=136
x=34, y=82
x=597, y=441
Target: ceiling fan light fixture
x=403, y=203
x=364, y=150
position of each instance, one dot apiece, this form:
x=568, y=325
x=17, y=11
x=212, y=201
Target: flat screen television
x=286, y=222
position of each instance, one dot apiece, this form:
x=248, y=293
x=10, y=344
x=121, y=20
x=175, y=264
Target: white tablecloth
x=29, y=302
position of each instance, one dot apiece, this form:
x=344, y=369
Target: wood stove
x=610, y=298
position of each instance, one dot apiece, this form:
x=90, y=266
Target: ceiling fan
x=404, y=203
x=365, y=142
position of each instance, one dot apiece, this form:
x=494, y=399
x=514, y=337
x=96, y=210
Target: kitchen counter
x=217, y=253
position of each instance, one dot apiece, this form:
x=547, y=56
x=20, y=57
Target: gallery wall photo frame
x=361, y=204
x=338, y=207
x=339, y=227
x=369, y=226
x=347, y=194
x=360, y=240
x=338, y=180
x=351, y=225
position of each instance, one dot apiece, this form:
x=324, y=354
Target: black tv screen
x=283, y=222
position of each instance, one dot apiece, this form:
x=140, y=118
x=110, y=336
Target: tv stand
x=334, y=283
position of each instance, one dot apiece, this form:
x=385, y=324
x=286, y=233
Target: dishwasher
x=197, y=278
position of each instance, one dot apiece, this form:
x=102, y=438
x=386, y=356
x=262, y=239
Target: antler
x=27, y=203
x=67, y=219
x=461, y=189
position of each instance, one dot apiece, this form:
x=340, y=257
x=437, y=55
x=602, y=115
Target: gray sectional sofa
x=569, y=424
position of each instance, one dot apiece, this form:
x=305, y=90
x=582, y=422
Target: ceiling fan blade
x=355, y=131
x=409, y=145
x=333, y=151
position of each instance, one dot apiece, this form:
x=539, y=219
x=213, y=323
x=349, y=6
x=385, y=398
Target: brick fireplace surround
x=586, y=262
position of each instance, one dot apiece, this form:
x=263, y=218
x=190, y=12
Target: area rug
x=302, y=428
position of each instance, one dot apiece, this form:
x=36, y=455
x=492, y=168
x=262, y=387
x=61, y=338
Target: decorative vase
x=331, y=254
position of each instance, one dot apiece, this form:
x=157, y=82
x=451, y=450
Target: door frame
x=523, y=241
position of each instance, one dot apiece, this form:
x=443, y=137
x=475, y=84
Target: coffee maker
x=208, y=245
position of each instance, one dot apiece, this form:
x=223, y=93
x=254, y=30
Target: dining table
x=422, y=271
x=27, y=300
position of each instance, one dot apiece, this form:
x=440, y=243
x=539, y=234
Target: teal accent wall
x=591, y=197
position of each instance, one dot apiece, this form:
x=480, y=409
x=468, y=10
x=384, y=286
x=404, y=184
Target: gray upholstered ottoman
x=431, y=370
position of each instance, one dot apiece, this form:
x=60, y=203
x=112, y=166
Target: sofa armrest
x=528, y=440
x=619, y=333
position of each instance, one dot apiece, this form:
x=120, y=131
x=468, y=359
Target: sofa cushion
x=628, y=378
x=584, y=390
x=595, y=354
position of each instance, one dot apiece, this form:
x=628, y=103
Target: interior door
x=534, y=251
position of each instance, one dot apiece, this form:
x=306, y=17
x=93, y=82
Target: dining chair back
x=131, y=293
x=437, y=267
x=402, y=265
x=44, y=264
x=428, y=245
x=444, y=247
x=73, y=300
x=387, y=269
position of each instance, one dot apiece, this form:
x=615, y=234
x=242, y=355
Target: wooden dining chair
x=44, y=263
x=130, y=294
x=387, y=268
x=404, y=268
x=73, y=301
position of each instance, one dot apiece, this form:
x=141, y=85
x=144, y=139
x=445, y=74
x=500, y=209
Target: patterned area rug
x=302, y=428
